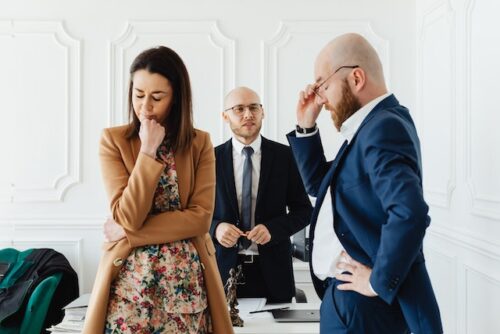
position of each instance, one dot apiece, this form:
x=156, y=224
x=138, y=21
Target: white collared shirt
x=327, y=247
x=238, y=163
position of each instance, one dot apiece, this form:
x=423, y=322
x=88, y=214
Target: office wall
x=458, y=117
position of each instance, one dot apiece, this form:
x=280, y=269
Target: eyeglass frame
x=246, y=107
x=316, y=89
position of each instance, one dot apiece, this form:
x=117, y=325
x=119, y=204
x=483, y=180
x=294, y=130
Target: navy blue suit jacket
x=280, y=188
x=379, y=211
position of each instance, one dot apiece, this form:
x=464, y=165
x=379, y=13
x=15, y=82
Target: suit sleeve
x=310, y=159
x=299, y=208
x=392, y=154
x=191, y=221
x=123, y=188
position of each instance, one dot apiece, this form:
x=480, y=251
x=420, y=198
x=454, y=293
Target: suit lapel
x=228, y=172
x=266, y=163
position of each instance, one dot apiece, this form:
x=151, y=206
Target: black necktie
x=246, y=198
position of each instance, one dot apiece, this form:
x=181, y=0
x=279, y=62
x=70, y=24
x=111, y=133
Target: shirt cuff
x=371, y=288
x=302, y=135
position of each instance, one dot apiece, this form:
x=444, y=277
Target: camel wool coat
x=130, y=180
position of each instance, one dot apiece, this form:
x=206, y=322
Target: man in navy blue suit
x=260, y=202
x=375, y=182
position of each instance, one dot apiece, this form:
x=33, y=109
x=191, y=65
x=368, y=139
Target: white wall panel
x=457, y=123
x=442, y=270
x=483, y=151
x=437, y=103
x=482, y=303
x=42, y=64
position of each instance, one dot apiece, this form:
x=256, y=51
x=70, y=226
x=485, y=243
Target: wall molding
x=271, y=48
x=468, y=272
x=482, y=205
x=135, y=29
x=70, y=46
x=442, y=10
x=466, y=239
x=53, y=223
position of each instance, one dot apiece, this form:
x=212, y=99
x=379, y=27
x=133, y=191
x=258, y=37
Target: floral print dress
x=160, y=288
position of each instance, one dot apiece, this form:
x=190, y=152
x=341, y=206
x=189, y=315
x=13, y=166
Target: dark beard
x=346, y=107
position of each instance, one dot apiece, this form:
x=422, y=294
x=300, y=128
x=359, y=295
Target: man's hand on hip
x=227, y=234
x=359, y=281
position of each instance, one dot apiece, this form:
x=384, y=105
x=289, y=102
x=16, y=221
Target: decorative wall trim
x=468, y=271
x=270, y=50
x=53, y=223
x=452, y=282
x=55, y=191
x=467, y=240
x=482, y=205
x=441, y=10
x=135, y=29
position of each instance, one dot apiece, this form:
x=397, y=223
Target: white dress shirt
x=238, y=162
x=327, y=247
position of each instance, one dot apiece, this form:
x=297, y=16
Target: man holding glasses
x=375, y=181
x=260, y=202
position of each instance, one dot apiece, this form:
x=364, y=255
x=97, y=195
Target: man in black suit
x=260, y=202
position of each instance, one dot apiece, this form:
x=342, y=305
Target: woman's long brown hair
x=179, y=123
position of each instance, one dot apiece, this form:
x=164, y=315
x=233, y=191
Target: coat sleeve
x=310, y=159
x=194, y=219
x=392, y=154
x=299, y=208
x=124, y=188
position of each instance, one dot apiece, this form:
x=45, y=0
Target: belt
x=248, y=258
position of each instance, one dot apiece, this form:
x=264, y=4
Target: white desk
x=263, y=323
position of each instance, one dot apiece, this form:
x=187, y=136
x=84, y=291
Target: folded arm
x=131, y=194
x=194, y=219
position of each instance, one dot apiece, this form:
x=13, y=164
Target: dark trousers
x=254, y=285
x=348, y=312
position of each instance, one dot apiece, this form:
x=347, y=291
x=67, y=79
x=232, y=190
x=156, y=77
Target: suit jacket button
x=118, y=262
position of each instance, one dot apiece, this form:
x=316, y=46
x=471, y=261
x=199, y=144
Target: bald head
x=353, y=49
x=240, y=95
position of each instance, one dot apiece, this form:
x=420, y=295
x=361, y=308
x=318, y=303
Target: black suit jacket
x=280, y=187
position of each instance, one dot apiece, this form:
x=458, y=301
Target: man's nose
x=247, y=113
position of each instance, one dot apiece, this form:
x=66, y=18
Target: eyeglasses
x=239, y=109
x=316, y=90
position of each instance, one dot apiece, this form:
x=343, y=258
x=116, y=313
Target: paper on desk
x=250, y=304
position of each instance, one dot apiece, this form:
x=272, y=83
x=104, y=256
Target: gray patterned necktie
x=246, y=199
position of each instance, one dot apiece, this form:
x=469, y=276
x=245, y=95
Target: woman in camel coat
x=158, y=272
